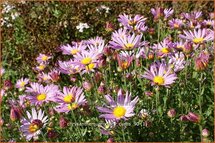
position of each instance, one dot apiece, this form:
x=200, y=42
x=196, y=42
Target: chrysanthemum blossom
x=160, y=75
x=168, y=12
x=177, y=61
x=42, y=58
x=175, y=23
x=32, y=125
x=133, y=23
x=69, y=67
x=125, y=41
x=198, y=36
x=39, y=94
x=163, y=48
x=124, y=59
x=21, y=83
x=193, y=15
x=87, y=60
x=70, y=99
x=74, y=49
x=123, y=108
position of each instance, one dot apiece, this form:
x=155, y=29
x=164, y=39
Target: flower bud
x=52, y=134
x=184, y=118
x=7, y=84
x=15, y=113
x=51, y=111
x=63, y=122
x=110, y=140
x=188, y=48
x=147, y=124
x=151, y=31
x=109, y=27
x=1, y=122
x=101, y=89
x=55, y=76
x=107, y=51
x=171, y=113
x=205, y=133
x=98, y=77
x=200, y=64
x=149, y=93
x=87, y=85
x=193, y=117
x=137, y=62
x=73, y=79
x=202, y=61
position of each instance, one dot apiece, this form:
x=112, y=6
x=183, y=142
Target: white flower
x=14, y=15
x=81, y=26
x=103, y=7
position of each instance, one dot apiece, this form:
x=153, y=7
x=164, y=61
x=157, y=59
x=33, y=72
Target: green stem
x=200, y=103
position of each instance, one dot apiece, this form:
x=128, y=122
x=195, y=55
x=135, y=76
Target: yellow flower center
x=68, y=98
x=86, y=61
x=41, y=97
x=22, y=84
x=33, y=128
x=209, y=23
x=119, y=111
x=129, y=46
x=72, y=106
x=176, y=25
x=41, y=67
x=44, y=58
x=90, y=66
x=130, y=22
x=74, y=51
x=158, y=80
x=198, y=40
x=45, y=78
x=124, y=65
x=180, y=47
x=165, y=50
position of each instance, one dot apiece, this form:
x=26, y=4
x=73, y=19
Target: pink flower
x=160, y=75
x=123, y=108
x=21, y=83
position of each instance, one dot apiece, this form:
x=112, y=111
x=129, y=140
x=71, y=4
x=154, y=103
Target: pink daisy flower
x=70, y=99
x=168, y=12
x=198, y=36
x=193, y=15
x=88, y=60
x=163, y=48
x=44, y=77
x=157, y=12
x=40, y=67
x=96, y=41
x=125, y=42
x=39, y=94
x=69, y=67
x=124, y=59
x=160, y=75
x=175, y=23
x=135, y=23
x=42, y=58
x=21, y=83
x=177, y=61
x=123, y=108
x=32, y=125
x=73, y=50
